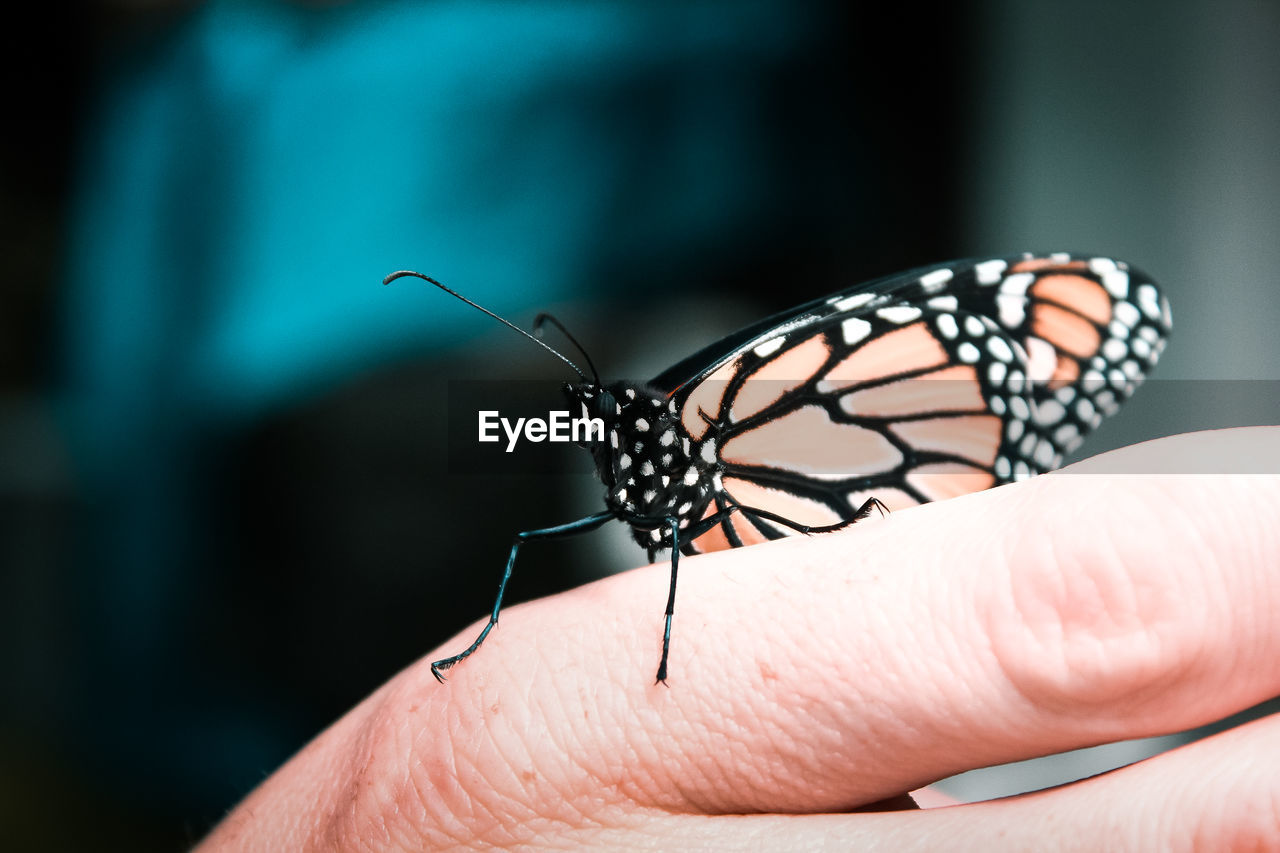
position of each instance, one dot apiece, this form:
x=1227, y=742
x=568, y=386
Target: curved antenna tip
x=401, y=274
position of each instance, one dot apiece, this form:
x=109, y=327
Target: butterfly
x=918, y=386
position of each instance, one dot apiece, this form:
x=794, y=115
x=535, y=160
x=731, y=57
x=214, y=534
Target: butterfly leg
x=694, y=532
x=573, y=528
x=862, y=512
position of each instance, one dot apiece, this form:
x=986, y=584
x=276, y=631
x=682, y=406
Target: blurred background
x=227, y=514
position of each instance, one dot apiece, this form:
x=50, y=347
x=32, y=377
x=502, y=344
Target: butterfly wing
x=925, y=385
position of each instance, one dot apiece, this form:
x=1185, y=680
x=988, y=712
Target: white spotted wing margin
x=916, y=387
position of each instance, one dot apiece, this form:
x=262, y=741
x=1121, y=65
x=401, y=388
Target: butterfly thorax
x=650, y=468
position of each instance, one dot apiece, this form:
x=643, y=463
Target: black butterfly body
x=918, y=386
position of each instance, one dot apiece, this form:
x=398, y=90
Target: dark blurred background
x=225, y=509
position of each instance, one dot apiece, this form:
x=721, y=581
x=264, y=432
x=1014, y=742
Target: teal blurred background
x=227, y=515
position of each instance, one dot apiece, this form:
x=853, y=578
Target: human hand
x=814, y=676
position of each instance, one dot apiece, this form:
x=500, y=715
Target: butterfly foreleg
x=861, y=513
x=573, y=528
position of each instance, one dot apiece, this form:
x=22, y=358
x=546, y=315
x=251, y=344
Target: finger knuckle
x=1088, y=620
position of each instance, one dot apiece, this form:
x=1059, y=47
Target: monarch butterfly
x=918, y=386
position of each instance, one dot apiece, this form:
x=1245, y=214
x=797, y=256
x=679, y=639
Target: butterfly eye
x=605, y=405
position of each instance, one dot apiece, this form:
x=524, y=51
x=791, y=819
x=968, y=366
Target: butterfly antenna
x=507, y=323
x=547, y=318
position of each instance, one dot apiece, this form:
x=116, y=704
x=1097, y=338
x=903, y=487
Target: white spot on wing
x=968, y=353
x=934, y=281
x=1049, y=412
x=1127, y=313
x=1116, y=282
x=946, y=324
x=854, y=330
x=988, y=272
x=849, y=303
x=770, y=346
x=1013, y=309
x=899, y=313
x=1042, y=359
x=999, y=348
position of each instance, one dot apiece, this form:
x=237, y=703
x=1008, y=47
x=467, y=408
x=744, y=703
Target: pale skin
x=817, y=675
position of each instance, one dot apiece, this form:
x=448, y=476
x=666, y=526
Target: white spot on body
x=624, y=461
x=691, y=476
x=647, y=468
x=649, y=495
x=667, y=438
x=642, y=425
